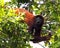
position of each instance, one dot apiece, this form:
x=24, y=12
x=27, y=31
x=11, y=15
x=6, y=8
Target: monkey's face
x=39, y=20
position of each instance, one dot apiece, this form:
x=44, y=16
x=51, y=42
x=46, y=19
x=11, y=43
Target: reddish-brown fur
x=29, y=17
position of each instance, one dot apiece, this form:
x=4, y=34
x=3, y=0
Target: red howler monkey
x=35, y=24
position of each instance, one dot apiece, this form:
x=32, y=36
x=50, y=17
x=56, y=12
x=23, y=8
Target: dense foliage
x=13, y=32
